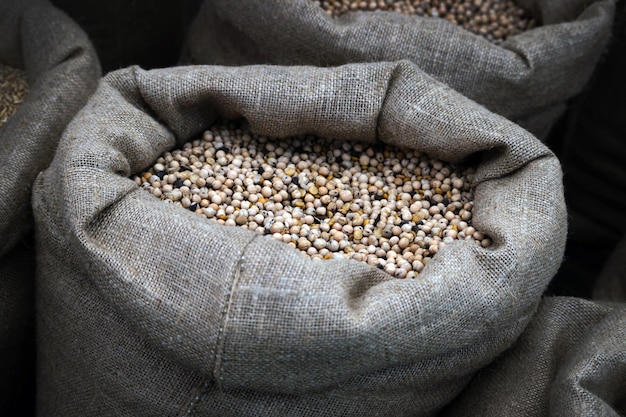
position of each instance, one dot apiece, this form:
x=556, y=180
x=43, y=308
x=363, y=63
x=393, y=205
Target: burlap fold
x=62, y=71
x=145, y=308
x=527, y=79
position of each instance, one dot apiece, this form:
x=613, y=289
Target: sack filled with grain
x=48, y=69
x=148, y=308
x=528, y=77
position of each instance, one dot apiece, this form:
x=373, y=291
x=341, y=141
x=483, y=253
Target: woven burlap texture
x=62, y=71
x=570, y=361
x=527, y=79
x=146, y=308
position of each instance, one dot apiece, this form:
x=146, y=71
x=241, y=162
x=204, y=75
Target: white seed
x=319, y=243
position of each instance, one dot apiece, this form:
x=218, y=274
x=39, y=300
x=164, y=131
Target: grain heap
x=389, y=207
x=493, y=19
x=13, y=88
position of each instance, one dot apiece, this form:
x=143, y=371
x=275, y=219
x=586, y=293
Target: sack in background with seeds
x=527, y=78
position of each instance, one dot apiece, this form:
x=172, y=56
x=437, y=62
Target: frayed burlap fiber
x=148, y=309
x=62, y=71
x=527, y=79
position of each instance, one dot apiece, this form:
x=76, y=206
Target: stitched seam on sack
x=196, y=400
x=217, y=370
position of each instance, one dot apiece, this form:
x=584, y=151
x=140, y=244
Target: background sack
x=145, y=308
x=570, y=361
x=62, y=71
x=527, y=79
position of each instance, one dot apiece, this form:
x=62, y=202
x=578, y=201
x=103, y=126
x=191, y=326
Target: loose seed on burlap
x=392, y=208
x=13, y=89
x=493, y=19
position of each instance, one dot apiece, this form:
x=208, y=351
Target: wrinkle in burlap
x=62, y=71
x=145, y=308
x=527, y=79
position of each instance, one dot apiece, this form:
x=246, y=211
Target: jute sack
x=527, y=79
x=145, y=308
x=62, y=71
x=570, y=361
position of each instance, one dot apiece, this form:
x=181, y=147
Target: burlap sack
x=570, y=361
x=145, y=308
x=62, y=71
x=527, y=79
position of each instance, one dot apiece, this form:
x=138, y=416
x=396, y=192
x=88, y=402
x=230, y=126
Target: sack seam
x=217, y=358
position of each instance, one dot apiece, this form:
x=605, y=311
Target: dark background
x=148, y=33
x=591, y=144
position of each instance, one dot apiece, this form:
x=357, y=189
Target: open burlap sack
x=570, y=361
x=62, y=71
x=527, y=79
x=145, y=308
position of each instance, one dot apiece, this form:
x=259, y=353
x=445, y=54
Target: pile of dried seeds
x=390, y=207
x=13, y=89
x=493, y=19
